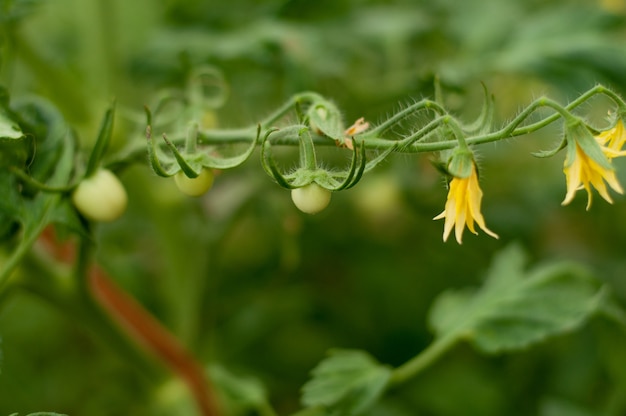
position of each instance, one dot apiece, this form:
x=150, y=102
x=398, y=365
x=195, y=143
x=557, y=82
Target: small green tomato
x=311, y=198
x=100, y=197
x=194, y=186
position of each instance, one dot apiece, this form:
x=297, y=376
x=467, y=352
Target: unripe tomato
x=311, y=198
x=194, y=186
x=100, y=197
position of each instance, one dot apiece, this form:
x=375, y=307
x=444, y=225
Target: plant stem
x=425, y=358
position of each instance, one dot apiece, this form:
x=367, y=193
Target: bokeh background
x=248, y=282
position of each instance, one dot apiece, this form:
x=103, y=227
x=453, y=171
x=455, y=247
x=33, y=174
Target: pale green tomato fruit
x=194, y=186
x=100, y=197
x=311, y=198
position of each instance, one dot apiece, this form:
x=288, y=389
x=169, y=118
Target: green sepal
x=354, y=176
x=461, y=163
x=190, y=163
x=183, y=162
x=222, y=163
x=366, y=167
x=325, y=118
x=102, y=142
x=268, y=163
x=484, y=121
x=307, y=150
x=550, y=153
x=440, y=166
x=577, y=132
x=157, y=167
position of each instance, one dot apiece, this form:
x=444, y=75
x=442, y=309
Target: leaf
x=348, y=382
x=15, y=147
x=514, y=308
x=9, y=129
x=244, y=393
x=36, y=213
x=44, y=123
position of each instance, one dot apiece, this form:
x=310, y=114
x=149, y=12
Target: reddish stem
x=139, y=324
x=149, y=333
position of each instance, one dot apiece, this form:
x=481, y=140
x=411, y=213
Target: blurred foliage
x=244, y=279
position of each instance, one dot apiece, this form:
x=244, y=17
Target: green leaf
x=348, y=382
x=8, y=128
x=15, y=147
x=43, y=122
x=484, y=122
x=36, y=213
x=515, y=308
x=243, y=393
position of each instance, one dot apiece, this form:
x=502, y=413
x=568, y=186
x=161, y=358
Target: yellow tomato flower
x=583, y=171
x=613, y=140
x=463, y=207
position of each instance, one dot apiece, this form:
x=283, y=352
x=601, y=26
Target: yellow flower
x=463, y=207
x=613, y=140
x=584, y=171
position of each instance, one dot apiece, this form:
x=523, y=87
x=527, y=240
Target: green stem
x=421, y=105
x=192, y=138
x=39, y=185
x=421, y=133
x=424, y=359
x=30, y=235
x=411, y=144
x=290, y=105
